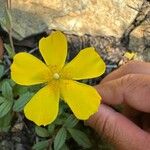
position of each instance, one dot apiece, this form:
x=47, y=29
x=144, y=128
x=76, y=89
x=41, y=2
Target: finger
x=119, y=130
x=132, y=89
x=133, y=67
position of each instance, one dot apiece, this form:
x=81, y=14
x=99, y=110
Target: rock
x=95, y=17
x=17, y=127
x=138, y=38
x=140, y=41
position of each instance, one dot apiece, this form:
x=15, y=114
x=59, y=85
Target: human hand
x=129, y=86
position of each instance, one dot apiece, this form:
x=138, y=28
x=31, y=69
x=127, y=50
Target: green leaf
x=42, y=132
x=59, y=121
x=71, y=121
x=20, y=90
x=64, y=147
x=1, y=70
x=60, y=138
x=63, y=107
x=8, y=18
x=5, y=107
x=51, y=129
x=11, y=82
x=7, y=90
x=3, y=24
x=35, y=88
x=1, y=100
x=6, y=22
x=5, y=122
x=9, y=50
x=41, y=145
x=22, y=101
x=80, y=137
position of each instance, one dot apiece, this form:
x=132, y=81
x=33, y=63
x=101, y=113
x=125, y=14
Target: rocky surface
x=98, y=24
x=139, y=37
x=95, y=17
x=139, y=31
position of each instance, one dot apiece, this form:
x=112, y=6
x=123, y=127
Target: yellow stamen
x=56, y=76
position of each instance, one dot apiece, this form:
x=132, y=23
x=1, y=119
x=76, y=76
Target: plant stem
x=11, y=40
x=8, y=4
x=8, y=7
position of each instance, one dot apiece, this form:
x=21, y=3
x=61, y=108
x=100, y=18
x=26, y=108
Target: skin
x=128, y=86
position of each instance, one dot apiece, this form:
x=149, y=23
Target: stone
x=139, y=38
x=140, y=41
x=95, y=17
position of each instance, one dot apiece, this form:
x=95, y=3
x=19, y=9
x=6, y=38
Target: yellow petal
x=87, y=64
x=54, y=49
x=43, y=107
x=81, y=98
x=28, y=70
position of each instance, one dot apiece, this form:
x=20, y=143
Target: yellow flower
x=59, y=79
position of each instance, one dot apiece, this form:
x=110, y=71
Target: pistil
x=56, y=76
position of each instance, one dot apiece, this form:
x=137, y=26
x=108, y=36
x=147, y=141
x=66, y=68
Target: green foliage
x=6, y=23
x=7, y=90
x=1, y=70
x=80, y=137
x=5, y=106
x=51, y=129
x=5, y=122
x=60, y=138
x=41, y=145
x=65, y=147
x=9, y=50
x=42, y=132
x=6, y=100
x=71, y=121
x=22, y=101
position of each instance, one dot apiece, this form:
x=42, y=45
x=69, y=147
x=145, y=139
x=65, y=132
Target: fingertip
x=109, y=92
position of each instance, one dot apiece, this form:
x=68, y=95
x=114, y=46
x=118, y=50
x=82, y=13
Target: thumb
x=123, y=133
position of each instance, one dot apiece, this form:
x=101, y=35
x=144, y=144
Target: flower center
x=56, y=76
